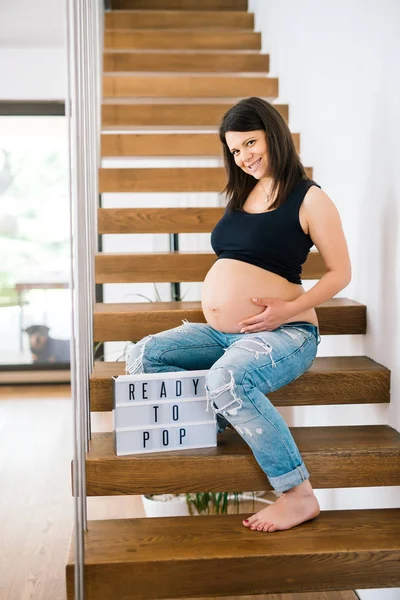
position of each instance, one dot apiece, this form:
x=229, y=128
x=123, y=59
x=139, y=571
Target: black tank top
x=271, y=240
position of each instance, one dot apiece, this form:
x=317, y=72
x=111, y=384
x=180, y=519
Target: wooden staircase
x=179, y=64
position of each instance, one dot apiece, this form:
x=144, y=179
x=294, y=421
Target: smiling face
x=249, y=150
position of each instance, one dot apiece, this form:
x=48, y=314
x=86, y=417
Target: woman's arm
x=326, y=231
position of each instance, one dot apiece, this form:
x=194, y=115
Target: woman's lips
x=254, y=166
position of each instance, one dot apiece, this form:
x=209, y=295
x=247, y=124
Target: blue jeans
x=243, y=368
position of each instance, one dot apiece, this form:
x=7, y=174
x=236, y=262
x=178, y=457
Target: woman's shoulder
x=315, y=194
x=317, y=202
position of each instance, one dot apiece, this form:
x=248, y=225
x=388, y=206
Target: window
x=35, y=305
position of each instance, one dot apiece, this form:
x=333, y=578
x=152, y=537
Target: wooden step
x=207, y=555
x=168, y=266
x=158, y=220
x=188, y=86
x=330, y=380
x=132, y=321
x=176, y=19
x=180, y=39
x=166, y=144
x=336, y=595
x=215, y=5
x=206, y=179
x=176, y=179
x=336, y=457
x=153, y=114
x=185, y=61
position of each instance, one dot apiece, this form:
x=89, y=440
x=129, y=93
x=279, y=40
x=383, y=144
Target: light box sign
x=159, y=412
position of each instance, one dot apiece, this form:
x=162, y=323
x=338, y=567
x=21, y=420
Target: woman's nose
x=246, y=156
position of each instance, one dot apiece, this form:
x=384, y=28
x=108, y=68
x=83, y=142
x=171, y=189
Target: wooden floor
x=36, y=507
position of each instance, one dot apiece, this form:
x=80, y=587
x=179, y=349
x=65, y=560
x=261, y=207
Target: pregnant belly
x=229, y=287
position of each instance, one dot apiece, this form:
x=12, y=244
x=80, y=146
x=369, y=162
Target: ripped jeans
x=243, y=368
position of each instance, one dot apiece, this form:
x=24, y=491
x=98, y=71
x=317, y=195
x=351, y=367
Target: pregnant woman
x=262, y=328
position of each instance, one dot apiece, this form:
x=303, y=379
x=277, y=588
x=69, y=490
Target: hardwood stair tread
x=185, y=219
x=349, y=379
x=132, y=321
x=178, y=179
x=153, y=307
x=119, y=112
x=209, y=555
x=176, y=39
x=161, y=130
x=165, y=144
x=345, y=456
x=165, y=19
x=119, y=267
x=193, y=85
x=215, y=5
x=323, y=364
x=162, y=179
x=198, y=61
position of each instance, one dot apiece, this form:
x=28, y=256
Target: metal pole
x=71, y=113
x=175, y=286
x=91, y=141
x=80, y=261
x=89, y=167
x=84, y=28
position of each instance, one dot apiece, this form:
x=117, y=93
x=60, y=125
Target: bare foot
x=292, y=508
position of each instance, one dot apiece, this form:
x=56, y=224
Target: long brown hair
x=285, y=166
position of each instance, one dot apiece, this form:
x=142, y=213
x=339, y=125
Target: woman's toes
x=260, y=526
x=272, y=527
x=255, y=524
x=266, y=526
x=252, y=520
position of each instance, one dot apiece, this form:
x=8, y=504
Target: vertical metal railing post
x=84, y=165
x=175, y=285
x=75, y=384
x=73, y=114
x=84, y=29
x=90, y=137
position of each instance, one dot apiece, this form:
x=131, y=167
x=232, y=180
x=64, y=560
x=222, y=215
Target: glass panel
x=35, y=304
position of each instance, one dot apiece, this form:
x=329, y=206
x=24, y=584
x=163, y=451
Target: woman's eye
x=250, y=142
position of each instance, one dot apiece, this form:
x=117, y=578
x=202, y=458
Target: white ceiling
x=32, y=23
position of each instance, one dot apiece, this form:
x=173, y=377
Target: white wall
x=337, y=65
x=33, y=50
x=33, y=74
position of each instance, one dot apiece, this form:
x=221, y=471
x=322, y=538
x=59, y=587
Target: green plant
x=216, y=502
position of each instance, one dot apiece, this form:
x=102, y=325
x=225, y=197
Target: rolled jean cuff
x=286, y=482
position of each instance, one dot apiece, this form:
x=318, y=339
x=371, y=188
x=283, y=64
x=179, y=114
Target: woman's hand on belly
x=275, y=314
x=227, y=293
